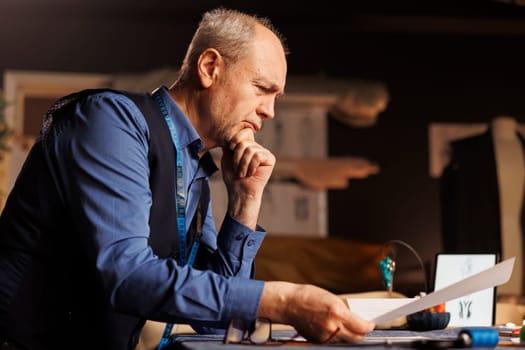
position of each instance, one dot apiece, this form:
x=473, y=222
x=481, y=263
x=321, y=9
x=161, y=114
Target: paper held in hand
x=381, y=310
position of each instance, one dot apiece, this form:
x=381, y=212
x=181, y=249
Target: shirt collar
x=207, y=164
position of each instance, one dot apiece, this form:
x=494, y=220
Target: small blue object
x=387, y=268
x=477, y=337
x=480, y=337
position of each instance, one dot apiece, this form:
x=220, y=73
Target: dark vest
x=76, y=314
x=162, y=156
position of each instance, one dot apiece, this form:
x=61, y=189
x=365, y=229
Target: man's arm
x=314, y=312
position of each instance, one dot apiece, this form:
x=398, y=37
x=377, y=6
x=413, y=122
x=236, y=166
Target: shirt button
x=239, y=236
x=251, y=242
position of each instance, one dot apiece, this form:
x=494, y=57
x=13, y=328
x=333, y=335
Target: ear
x=208, y=66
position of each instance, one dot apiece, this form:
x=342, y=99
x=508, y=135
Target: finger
x=347, y=336
x=332, y=337
x=255, y=162
x=242, y=157
x=257, y=157
x=245, y=135
x=356, y=329
x=239, y=143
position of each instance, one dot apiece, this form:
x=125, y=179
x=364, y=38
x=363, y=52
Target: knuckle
x=334, y=311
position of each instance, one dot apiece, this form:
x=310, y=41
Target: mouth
x=254, y=126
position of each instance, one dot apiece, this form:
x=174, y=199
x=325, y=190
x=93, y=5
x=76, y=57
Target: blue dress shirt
x=100, y=163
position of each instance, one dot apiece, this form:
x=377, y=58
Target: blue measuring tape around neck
x=181, y=208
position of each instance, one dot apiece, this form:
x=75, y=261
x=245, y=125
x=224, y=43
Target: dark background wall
x=443, y=61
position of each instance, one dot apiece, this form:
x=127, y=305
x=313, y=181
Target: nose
x=266, y=109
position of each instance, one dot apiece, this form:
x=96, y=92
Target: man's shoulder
x=135, y=102
x=107, y=93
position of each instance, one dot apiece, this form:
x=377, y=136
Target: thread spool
x=467, y=338
x=479, y=337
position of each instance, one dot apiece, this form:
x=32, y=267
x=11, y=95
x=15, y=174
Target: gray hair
x=230, y=32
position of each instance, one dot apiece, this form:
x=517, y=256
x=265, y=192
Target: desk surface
x=379, y=339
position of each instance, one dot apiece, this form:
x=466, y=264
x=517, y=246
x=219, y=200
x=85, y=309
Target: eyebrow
x=267, y=85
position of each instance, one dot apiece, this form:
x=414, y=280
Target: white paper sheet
x=386, y=309
x=370, y=308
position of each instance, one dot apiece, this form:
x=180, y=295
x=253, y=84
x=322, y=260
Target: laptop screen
x=477, y=309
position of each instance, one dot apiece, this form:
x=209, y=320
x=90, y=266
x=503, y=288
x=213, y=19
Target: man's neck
x=187, y=105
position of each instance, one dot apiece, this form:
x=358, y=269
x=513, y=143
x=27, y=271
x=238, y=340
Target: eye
x=263, y=89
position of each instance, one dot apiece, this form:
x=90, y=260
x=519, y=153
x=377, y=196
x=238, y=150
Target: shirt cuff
x=240, y=243
x=238, y=240
x=244, y=298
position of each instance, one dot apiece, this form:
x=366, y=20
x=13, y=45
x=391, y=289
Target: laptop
x=477, y=309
